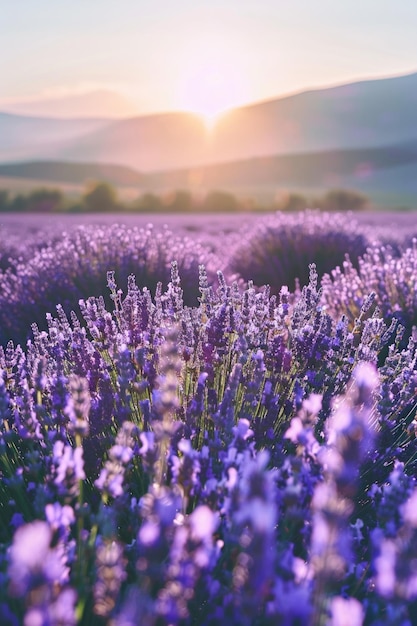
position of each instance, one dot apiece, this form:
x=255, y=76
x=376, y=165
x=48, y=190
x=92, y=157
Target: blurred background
x=220, y=106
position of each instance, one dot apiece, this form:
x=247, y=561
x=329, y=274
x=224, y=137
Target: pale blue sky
x=159, y=53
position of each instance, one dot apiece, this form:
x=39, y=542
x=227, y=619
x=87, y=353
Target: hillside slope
x=366, y=114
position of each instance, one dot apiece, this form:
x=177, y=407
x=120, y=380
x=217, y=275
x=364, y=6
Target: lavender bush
x=74, y=266
x=245, y=460
x=279, y=250
x=391, y=277
x=19, y=242
x=12, y=252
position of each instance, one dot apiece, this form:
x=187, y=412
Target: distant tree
x=148, y=203
x=220, y=202
x=45, y=201
x=101, y=198
x=19, y=203
x=76, y=207
x=180, y=201
x=4, y=200
x=292, y=202
x=343, y=200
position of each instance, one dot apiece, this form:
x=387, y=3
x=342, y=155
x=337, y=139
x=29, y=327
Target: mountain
x=387, y=174
x=97, y=103
x=55, y=172
x=331, y=168
x=147, y=143
x=24, y=137
x=358, y=115
x=361, y=115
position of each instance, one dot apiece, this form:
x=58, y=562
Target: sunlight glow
x=212, y=85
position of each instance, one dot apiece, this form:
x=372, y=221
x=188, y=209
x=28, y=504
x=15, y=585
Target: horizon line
x=163, y=112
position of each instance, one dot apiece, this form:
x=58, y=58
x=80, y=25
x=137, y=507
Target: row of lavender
x=37, y=272
x=205, y=452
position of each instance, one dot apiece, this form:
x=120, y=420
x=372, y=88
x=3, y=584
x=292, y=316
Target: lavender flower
x=244, y=458
x=350, y=436
x=75, y=268
x=110, y=480
x=192, y=553
x=39, y=575
x=391, y=278
x=346, y=612
x=78, y=407
x=253, y=511
x=110, y=575
x=68, y=466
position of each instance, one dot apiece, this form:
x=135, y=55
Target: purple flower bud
x=69, y=466
x=33, y=561
x=59, y=517
x=78, y=406
x=111, y=573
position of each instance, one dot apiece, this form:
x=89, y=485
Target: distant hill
x=386, y=172
x=361, y=115
x=97, y=103
x=332, y=168
x=23, y=138
x=146, y=143
x=73, y=173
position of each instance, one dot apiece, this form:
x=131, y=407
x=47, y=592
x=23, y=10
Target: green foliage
x=101, y=198
x=220, y=202
x=176, y=202
x=180, y=201
x=148, y=203
x=38, y=201
x=4, y=200
x=342, y=200
x=292, y=202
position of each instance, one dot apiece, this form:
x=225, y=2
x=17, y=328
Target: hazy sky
x=203, y=56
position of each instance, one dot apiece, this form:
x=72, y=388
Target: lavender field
x=208, y=420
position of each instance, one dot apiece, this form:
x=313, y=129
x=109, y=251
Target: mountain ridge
x=359, y=114
x=326, y=168
x=255, y=103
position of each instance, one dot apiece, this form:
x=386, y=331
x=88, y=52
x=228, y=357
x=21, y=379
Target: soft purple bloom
x=203, y=523
x=409, y=510
x=60, y=611
x=78, y=406
x=346, y=612
x=385, y=568
x=147, y=439
x=33, y=561
x=149, y=533
x=59, y=517
x=242, y=430
x=111, y=573
x=69, y=466
x=110, y=480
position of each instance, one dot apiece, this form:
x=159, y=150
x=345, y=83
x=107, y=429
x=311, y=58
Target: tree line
x=103, y=198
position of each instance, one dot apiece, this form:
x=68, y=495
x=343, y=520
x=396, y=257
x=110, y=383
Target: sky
x=162, y=55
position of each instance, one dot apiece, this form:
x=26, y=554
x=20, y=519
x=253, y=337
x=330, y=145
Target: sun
x=210, y=87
